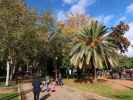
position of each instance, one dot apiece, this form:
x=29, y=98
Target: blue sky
x=110, y=12
x=104, y=8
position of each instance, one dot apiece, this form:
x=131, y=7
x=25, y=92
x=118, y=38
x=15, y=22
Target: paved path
x=62, y=93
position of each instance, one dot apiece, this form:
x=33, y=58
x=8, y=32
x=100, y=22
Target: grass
x=9, y=96
x=103, y=90
x=11, y=84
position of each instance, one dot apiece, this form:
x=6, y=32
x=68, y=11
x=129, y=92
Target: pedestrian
x=60, y=79
x=47, y=83
x=56, y=80
x=70, y=73
x=36, y=88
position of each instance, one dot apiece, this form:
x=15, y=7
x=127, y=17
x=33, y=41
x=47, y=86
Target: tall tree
x=119, y=38
x=11, y=16
x=93, y=48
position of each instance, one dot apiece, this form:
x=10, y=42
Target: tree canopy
x=30, y=39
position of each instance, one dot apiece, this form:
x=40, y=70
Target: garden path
x=61, y=93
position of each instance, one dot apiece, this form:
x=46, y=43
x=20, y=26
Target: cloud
x=130, y=8
x=69, y=1
x=122, y=18
x=105, y=19
x=61, y=16
x=130, y=50
x=129, y=35
x=77, y=7
x=80, y=6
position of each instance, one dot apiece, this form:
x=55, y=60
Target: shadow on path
x=23, y=93
x=45, y=97
x=24, y=97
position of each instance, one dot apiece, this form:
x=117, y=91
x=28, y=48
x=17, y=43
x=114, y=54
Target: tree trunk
x=7, y=74
x=13, y=68
x=27, y=65
x=55, y=69
x=11, y=72
x=46, y=69
x=94, y=71
x=95, y=74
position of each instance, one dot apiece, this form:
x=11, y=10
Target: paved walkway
x=62, y=93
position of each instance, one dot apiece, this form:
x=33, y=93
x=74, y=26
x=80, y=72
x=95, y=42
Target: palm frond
x=95, y=47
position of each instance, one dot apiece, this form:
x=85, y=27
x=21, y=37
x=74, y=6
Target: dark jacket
x=36, y=85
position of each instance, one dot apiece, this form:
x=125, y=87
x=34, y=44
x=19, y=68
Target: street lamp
x=56, y=58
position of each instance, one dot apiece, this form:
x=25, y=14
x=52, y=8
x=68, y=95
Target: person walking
x=47, y=83
x=36, y=88
x=70, y=73
x=60, y=79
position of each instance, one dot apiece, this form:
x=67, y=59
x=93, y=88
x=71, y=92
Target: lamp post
x=56, y=58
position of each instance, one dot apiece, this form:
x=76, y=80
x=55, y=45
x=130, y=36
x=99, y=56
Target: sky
x=109, y=12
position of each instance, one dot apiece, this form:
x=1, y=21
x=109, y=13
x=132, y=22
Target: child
x=43, y=86
x=52, y=86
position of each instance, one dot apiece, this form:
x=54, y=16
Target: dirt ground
x=67, y=93
x=120, y=84
x=61, y=93
x=7, y=90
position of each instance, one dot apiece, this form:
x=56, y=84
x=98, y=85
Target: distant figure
x=74, y=73
x=60, y=80
x=70, y=73
x=120, y=74
x=47, y=83
x=56, y=80
x=36, y=88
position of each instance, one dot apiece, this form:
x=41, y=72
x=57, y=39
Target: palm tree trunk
x=94, y=71
x=95, y=74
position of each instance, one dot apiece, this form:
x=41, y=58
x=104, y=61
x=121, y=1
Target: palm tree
x=94, y=48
